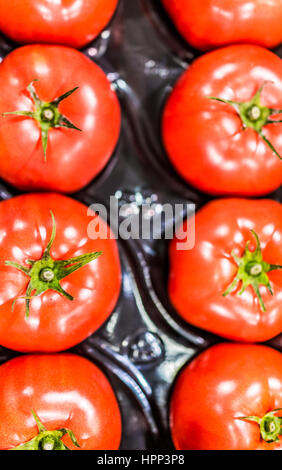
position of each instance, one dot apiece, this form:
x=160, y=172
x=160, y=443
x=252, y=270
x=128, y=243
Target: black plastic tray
x=144, y=343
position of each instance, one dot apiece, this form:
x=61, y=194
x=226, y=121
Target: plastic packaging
x=144, y=343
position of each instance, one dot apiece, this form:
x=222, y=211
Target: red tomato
x=216, y=146
x=215, y=23
x=223, y=384
x=50, y=321
x=227, y=258
x=69, y=22
x=73, y=158
x=65, y=391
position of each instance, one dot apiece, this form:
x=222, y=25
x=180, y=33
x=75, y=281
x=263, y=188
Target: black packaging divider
x=144, y=343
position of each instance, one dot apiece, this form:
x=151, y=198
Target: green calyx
x=47, y=115
x=270, y=425
x=252, y=271
x=47, y=440
x=255, y=116
x=46, y=273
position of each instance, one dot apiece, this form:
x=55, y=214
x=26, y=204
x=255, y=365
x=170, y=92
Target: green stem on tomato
x=270, y=425
x=252, y=271
x=255, y=116
x=46, y=273
x=47, y=440
x=47, y=115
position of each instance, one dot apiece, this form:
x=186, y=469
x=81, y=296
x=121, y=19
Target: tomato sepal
x=254, y=115
x=47, y=440
x=270, y=425
x=46, y=273
x=46, y=114
x=252, y=271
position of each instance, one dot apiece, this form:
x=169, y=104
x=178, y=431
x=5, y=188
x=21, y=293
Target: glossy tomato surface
x=224, y=383
x=205, y=139
x=55, y=322
x=69, y=22
x=199, y=277
x=214, y=23
x=73, y=158
x=65, y=391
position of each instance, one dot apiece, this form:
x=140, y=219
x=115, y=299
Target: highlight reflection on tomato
x=220, y=147
x=33, y=82
x=65, y=391
x=68, y=22
x=224, y=283
x=35, y=315
x=220, y=387
x=214, y=23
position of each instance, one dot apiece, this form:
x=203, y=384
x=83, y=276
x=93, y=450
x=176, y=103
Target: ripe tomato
x=69, y=22
x=223, y=284
x=73, y=157
x=65, y=392
x=215, y=23
x=221, y=147
x=223, y=384
x=37, y=311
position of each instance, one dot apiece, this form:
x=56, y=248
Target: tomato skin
x=69, y=22
x=226, y=382
x=215, y=23
x=55, y=323
x=205, y=140
x=73, y=158
x=65, y=391
x=200, y=276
